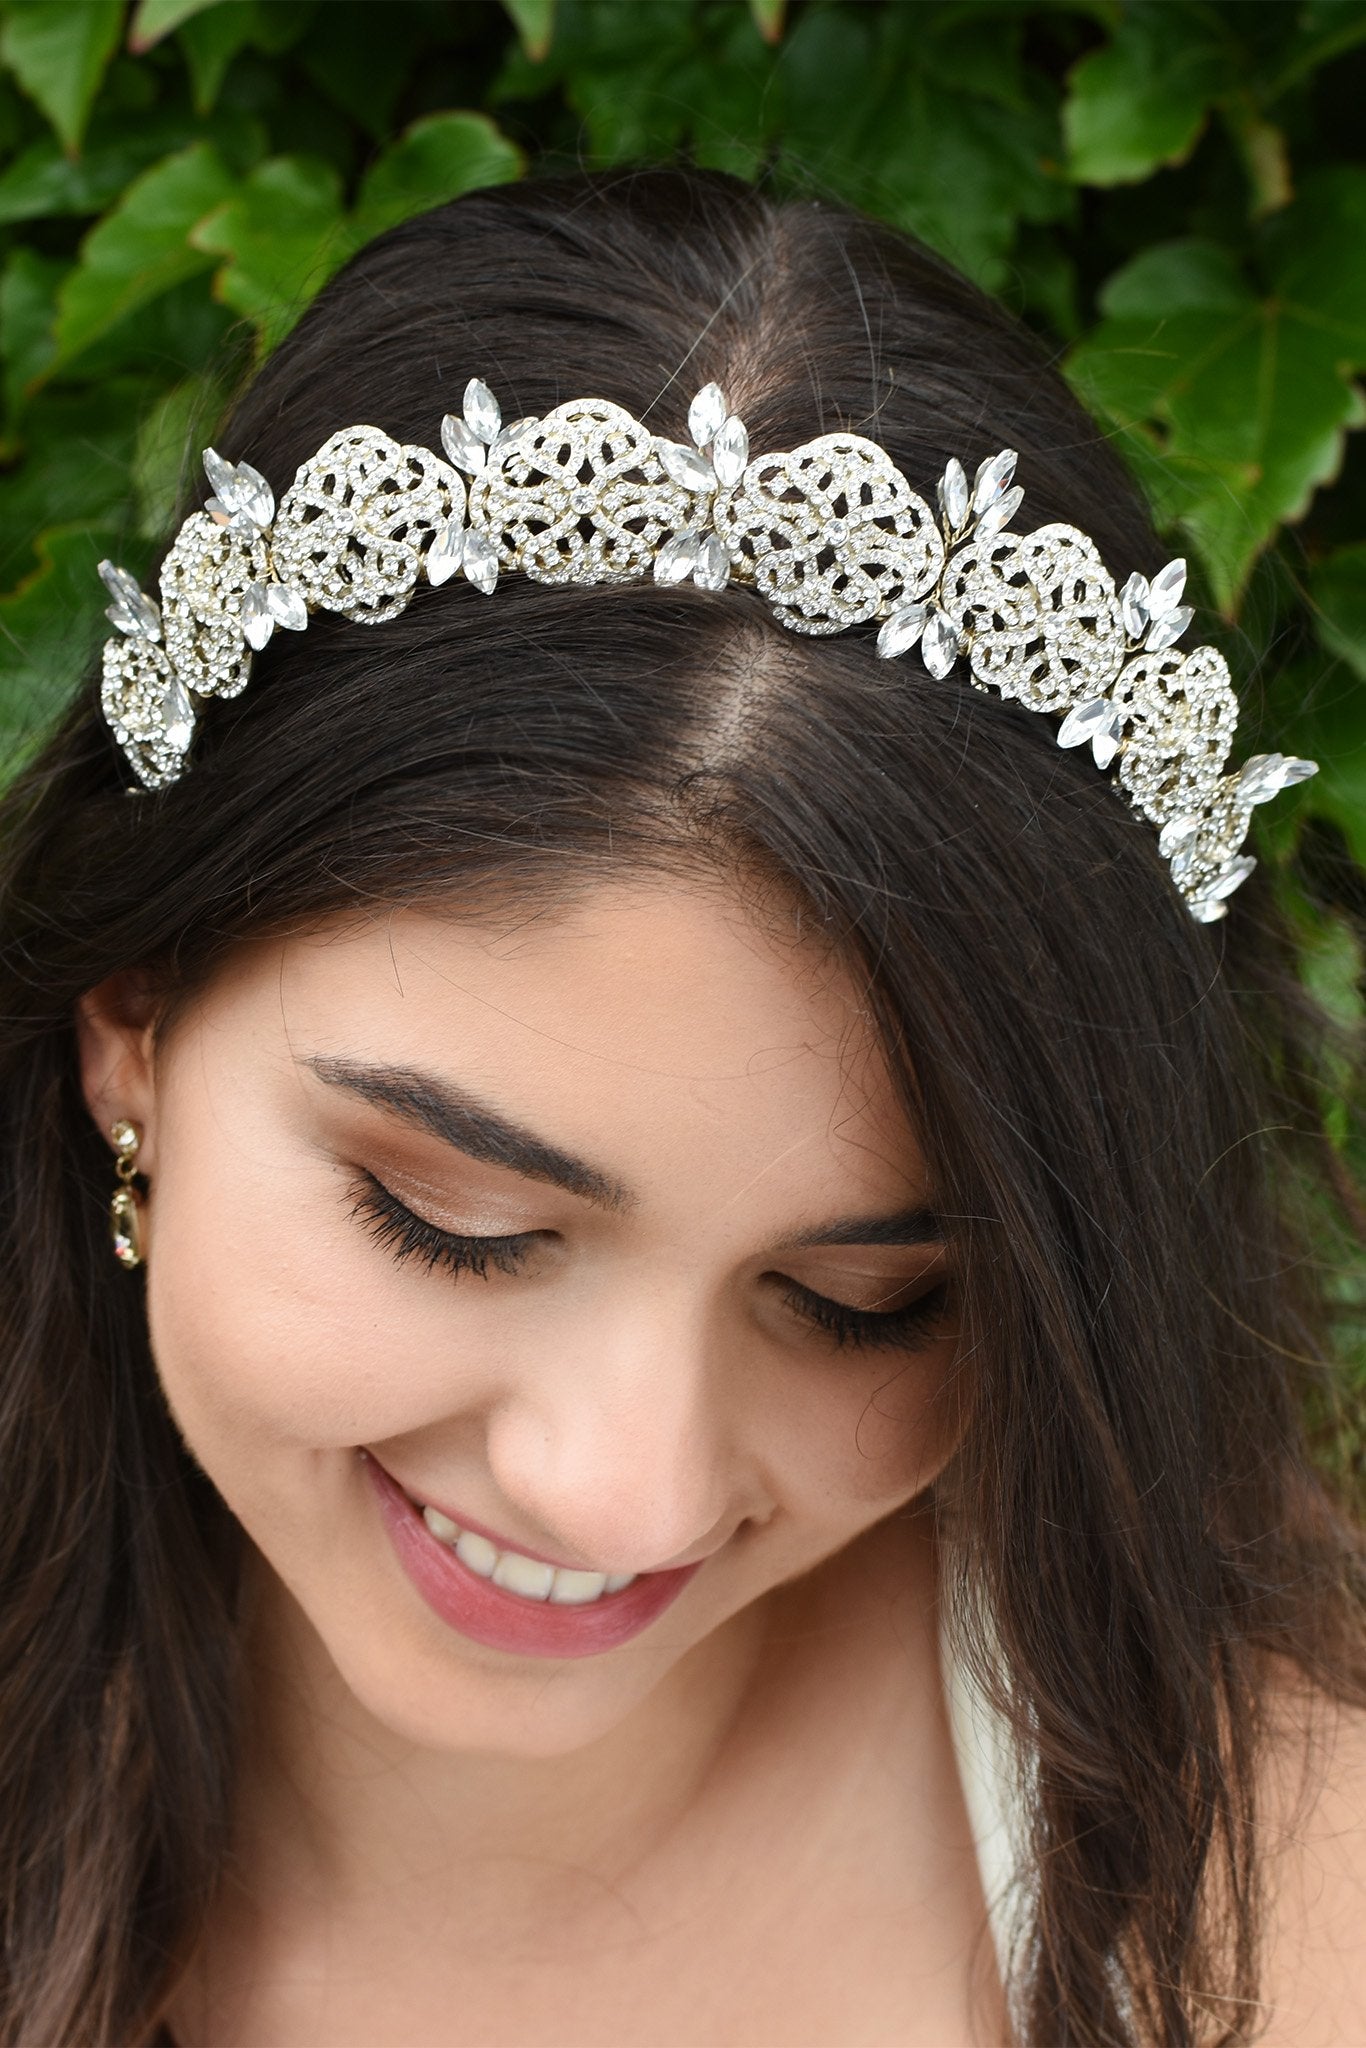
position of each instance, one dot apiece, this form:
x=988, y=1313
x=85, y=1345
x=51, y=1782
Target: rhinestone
x=464, y=448
x=222, y=477
x=1168, y=628
x=1085, y=721
x=257, y=621
x=678, y=557
x=177, y=717
x=1266, y=775
x=902, y=630
x=1167, y=587
x=939, y=647
x=953, y=495
x=287, y=608
x=218, y=512
x=479, y=560
x=1230, y=877
x=713, y=564
x=836, y=533
x=707, y=412
x=442, y=558
x=1206, y=909
x=131, y=611
x=1178, y=835
x=510, y=438
x=483, y=416
x=729, y=451
x=991, y=479
x=254, y=498
x=124, y=1225
x=1104, y=747
x=1002, y=511
x=581, y=501
x=685, y=466
x=1133, y=600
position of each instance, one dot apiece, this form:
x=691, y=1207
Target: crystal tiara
x=830, y=534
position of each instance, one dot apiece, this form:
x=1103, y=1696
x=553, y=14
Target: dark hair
x=1120, y=1106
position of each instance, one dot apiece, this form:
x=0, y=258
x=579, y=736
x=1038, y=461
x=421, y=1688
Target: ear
x=114, y=1028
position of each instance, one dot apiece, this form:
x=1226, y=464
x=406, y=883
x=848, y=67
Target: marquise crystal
x=707, y=414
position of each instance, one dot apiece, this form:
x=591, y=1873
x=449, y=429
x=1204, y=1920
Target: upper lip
x=463, y=1521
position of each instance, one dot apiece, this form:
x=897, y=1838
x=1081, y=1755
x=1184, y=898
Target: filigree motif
x=146, y=708
x=351, y=528
x=580, y=496
x=1180, y=715
x=203, y=581
x=1039, y=613
x=831, y=534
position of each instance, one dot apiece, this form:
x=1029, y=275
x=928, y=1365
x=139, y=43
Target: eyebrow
x=459, y=1119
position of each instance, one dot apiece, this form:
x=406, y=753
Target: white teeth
x=571, y=1587
x=478, y=1553
x=525, y=1576
x=516, y=1574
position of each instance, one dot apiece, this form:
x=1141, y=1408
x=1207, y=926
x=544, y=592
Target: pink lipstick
x=507, y=1621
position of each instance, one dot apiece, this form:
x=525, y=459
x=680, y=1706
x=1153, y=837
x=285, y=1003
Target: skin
x=744, y=1825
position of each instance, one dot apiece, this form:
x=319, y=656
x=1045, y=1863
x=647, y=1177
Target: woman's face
x=704, y=1333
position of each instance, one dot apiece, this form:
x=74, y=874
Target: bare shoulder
x=1313, y=1838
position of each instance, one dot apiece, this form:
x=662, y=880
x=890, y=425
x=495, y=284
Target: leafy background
x=1171, y=191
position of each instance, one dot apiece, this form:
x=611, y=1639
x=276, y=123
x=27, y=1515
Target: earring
x=125, y=1210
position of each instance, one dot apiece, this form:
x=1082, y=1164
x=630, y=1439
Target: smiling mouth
x=530, y=1578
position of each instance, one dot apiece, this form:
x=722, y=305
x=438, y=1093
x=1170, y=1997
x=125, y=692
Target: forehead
x=651, y=1023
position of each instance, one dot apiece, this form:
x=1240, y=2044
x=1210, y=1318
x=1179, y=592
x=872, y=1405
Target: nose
x=621, y=1445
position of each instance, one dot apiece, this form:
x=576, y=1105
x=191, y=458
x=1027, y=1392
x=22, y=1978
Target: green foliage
x=1169, y=191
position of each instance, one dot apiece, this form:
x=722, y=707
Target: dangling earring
x=125, y=1210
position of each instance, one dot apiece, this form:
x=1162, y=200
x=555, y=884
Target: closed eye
x=408, y=1236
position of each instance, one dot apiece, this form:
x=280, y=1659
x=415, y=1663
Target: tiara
x=830, y=534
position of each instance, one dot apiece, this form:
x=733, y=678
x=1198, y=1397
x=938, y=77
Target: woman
x=667, y=1154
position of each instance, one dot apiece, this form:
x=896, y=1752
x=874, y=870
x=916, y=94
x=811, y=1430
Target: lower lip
x=504, y=1621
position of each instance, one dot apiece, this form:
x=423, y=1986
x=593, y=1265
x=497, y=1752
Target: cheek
x=275, y=1319
x=875, y=1431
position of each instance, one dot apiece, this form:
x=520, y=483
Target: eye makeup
x=409, y=1236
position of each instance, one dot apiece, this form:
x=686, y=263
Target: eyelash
x=408, y=1236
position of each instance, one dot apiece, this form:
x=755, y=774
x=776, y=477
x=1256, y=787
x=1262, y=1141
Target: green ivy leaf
x=280, y=24
x=434, y=160
x=170, y=443
x=364, y=73
x=534, y=21
x=43, y=181
x=1334, y=735
x=50, y=628
x=1246, y=394
x=28, y=310
x=1141, y=101
x=77, y=447
x=906, y=114
x=1337, y=589
x=58, y=54
x=153, y=19
x=768, y=18
x=209, y=42
x=142, y=248
x=283, y=231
